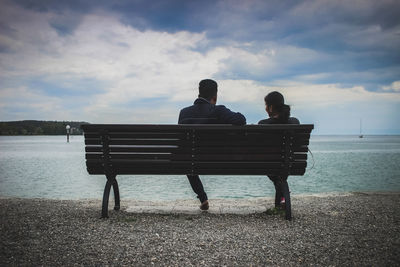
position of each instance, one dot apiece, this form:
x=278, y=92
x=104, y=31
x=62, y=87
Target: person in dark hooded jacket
x=279, y=113
x=206, y=111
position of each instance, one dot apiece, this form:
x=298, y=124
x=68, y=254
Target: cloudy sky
x=140, y=61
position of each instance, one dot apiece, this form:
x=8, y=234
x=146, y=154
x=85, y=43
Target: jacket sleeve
x=180, y=117
x=227, y=116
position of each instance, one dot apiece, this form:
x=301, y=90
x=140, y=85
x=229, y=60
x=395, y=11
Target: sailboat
x=361, y=135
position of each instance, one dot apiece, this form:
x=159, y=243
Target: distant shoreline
x=34, y=128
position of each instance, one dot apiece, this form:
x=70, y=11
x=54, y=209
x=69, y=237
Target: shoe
x=275, y=211
x=204, y=205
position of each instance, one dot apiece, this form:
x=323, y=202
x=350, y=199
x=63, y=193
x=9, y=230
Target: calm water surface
x=48, y=167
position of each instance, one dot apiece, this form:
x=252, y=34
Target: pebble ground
x=358, y=229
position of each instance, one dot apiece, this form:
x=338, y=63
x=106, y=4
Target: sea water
x=49, y=167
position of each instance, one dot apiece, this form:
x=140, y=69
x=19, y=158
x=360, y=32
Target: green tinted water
x=48, y=167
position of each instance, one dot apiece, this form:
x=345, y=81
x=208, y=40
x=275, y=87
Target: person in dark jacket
x=205, y=111
x=279, y=113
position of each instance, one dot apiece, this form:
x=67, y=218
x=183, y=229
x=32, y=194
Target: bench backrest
x=197, y=149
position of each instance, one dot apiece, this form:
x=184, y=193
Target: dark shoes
x=275, y=211
x=278, y=210
x=204, y=205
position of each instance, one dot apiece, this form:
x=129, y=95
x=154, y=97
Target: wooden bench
x=113, y=150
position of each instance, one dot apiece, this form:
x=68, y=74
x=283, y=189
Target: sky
x=140, y=61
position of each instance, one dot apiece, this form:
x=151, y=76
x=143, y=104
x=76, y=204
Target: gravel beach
x=355, y=229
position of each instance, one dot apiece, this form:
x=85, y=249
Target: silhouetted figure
x=205, y=111
x=279, y=113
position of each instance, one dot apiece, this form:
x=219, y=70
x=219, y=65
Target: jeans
x=279, y=183
x=197, y=187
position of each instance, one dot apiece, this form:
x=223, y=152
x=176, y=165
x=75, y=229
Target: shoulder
x=221, y=109
x=293, y=120
x=186, y=109
x=266, y=121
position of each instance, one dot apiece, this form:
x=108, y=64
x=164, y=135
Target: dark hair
x=208, y=89
x=277, y=102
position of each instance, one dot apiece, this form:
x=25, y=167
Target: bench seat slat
x=140, y=164
x=249, y=129
x=198, y=127
x=248, y=143
x=127, y=171
x=134, y=135
x=158, y=149
x=246, y=136
x=187, y=171
x=197, y=150
x=247, y=172
x=171, y=156
x=160, y=163
x=245, y=165
x=198, y=143
x=172, y=142
x=245, y=150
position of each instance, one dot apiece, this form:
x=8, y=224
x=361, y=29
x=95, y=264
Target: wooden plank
x=149, y=165
x=300, y=149
x=171, y=142
x=205, y=143
x=135, y=135
x=236, y=143
x=154, y=149
x=237, y=150
x=300, y=156
x=306, y=128
x=242, y=135
x=250, y=137
x=246, y=171
x=142, y=156
x=129, y=171
x=238, y=157
x=92, y=169
x=198, y=151
x=245, y=165
x=201, y=157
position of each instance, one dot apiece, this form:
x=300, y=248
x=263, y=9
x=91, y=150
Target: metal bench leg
x=111, y=181
x=286, y=195
x=106, y=195
x=116, y=195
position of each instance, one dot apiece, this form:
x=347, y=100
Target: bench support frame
x=100, y=159
x=111, y=177
x=283, y=184
x=110, y=182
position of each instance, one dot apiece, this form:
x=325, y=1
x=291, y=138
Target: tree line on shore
x=32, y=127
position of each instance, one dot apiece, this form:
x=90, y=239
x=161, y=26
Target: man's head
x=208, y=90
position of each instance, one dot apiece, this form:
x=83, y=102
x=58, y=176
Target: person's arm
x=227, y=116
x=180, y=117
